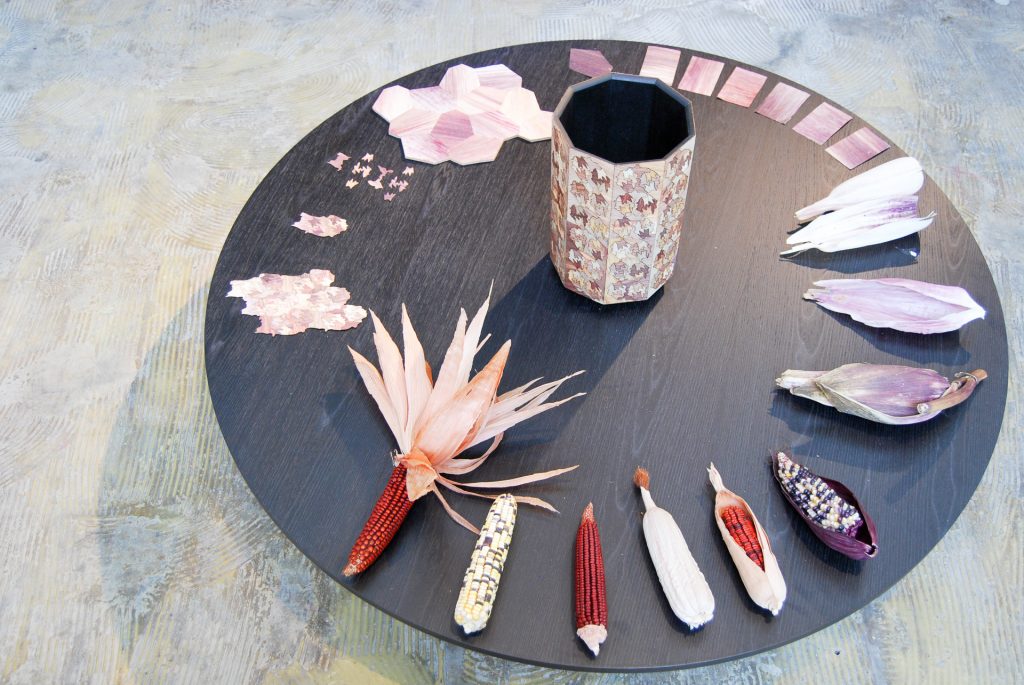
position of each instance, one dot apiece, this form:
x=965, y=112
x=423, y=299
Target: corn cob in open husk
x=480, y=584
x=684, y=585
x=748, y=546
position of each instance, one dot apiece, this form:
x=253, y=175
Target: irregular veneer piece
x=339, y=161
x=287, y=305
x=660, y=63
x=858, y=148
x=392, y=102
x=782, y=103
x=701, y=75
x=742, y=87
x=323, y=226
x=822, y=123
x=589, y=62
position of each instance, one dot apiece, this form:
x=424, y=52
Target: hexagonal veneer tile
x=413, y=121
x=536, y=128
x=434, y=98
x=482, y=99
x=475, y=150
x=393, y=102
x=499, y=76
x=460, y=80
x=494, y=124
x=423, y=147
x=520, y=105
x=451, y=127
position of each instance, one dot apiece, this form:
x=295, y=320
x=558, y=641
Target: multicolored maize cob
x=820, y=502
x=387, y=516
x=741, y=528
x=480, y=584
x=591, y=602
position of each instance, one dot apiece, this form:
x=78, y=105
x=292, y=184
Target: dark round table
x=673, y=383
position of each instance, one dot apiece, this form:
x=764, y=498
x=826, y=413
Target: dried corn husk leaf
x=900, y=177
x=890, y=394
x=898, y=303
x=862, y=545
x=766, y=587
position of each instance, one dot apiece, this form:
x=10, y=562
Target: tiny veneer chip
x=287, y=305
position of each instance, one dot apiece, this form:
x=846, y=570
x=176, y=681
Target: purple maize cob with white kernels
x=820, y=502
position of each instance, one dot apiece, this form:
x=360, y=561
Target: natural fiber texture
x=591, y=600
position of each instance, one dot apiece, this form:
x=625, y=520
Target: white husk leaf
x=901, y=176
x=863, y=237
x=684, y=585
x=766, y=587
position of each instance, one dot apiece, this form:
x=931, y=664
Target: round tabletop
x=672, y=383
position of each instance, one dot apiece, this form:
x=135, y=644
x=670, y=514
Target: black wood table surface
x=673, y=383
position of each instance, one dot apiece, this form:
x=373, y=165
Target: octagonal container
x=621, y=150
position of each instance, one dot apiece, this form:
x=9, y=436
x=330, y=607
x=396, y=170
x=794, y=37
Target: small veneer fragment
x=323, y=226
x=287, y=305
x=782, y=103
x=822, y=123
x=660, y=63
x=590, y=63
x=701, y=75
x=742, y=87
x=858, y=148
x=339, y=161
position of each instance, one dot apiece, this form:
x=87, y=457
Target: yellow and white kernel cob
x=480, y=584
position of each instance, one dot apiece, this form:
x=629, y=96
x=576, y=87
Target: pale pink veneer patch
x=660, y=63
x=701, y=75
x=323, y=226
x=288, y=305
x=858, y=148
x=782, y=103
x=742, y=87
x=589, y=62
x=822, y=123
x=465, y=118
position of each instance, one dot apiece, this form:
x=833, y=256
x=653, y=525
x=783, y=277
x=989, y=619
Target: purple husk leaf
x=862, y=545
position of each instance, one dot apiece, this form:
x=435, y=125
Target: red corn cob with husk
x=435, y=421
x=741, y=527
x=591, y=603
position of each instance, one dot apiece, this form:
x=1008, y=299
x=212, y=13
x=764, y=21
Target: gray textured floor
x=131, y=135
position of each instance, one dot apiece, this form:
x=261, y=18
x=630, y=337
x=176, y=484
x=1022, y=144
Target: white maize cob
x=684, y=585
x=480, y=584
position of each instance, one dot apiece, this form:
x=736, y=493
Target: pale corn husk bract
x=433, y=422
x=900, y=177
x=898, y=303
x=890, y=394
x=766, y=587
x=681, y=580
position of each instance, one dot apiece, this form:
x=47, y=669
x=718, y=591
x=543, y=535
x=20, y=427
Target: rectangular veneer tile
x=858, y=148
x=782, y=103
x=822, y=123
x=701, y=75
x=742, y=87
x=661, y=63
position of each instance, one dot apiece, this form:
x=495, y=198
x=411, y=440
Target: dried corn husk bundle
x=434, y=422
x=898, y=303
x=890, y=394
x=852, y=536
x=480, y=583
x=867, y=223
x=684, y=585
x=900, y=177
x=764, y=581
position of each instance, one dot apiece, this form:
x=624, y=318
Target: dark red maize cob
x=385, y=520
x=591, y=603
x=741, y=528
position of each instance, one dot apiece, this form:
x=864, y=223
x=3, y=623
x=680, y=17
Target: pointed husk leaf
x=901, y=176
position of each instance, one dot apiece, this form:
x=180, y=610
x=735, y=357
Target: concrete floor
x=132, y=132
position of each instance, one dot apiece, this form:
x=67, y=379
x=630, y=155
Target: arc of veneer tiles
x=701, y=75
x=782, y=103
x=661, y=63
x=858, y=147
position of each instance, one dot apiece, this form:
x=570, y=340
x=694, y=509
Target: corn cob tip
x=641, y=478
x=588, y=513
x=592, y=636
x=350, y=571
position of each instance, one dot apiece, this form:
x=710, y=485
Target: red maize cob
x=591, y=603
x=385, y=520
x=741, y=528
